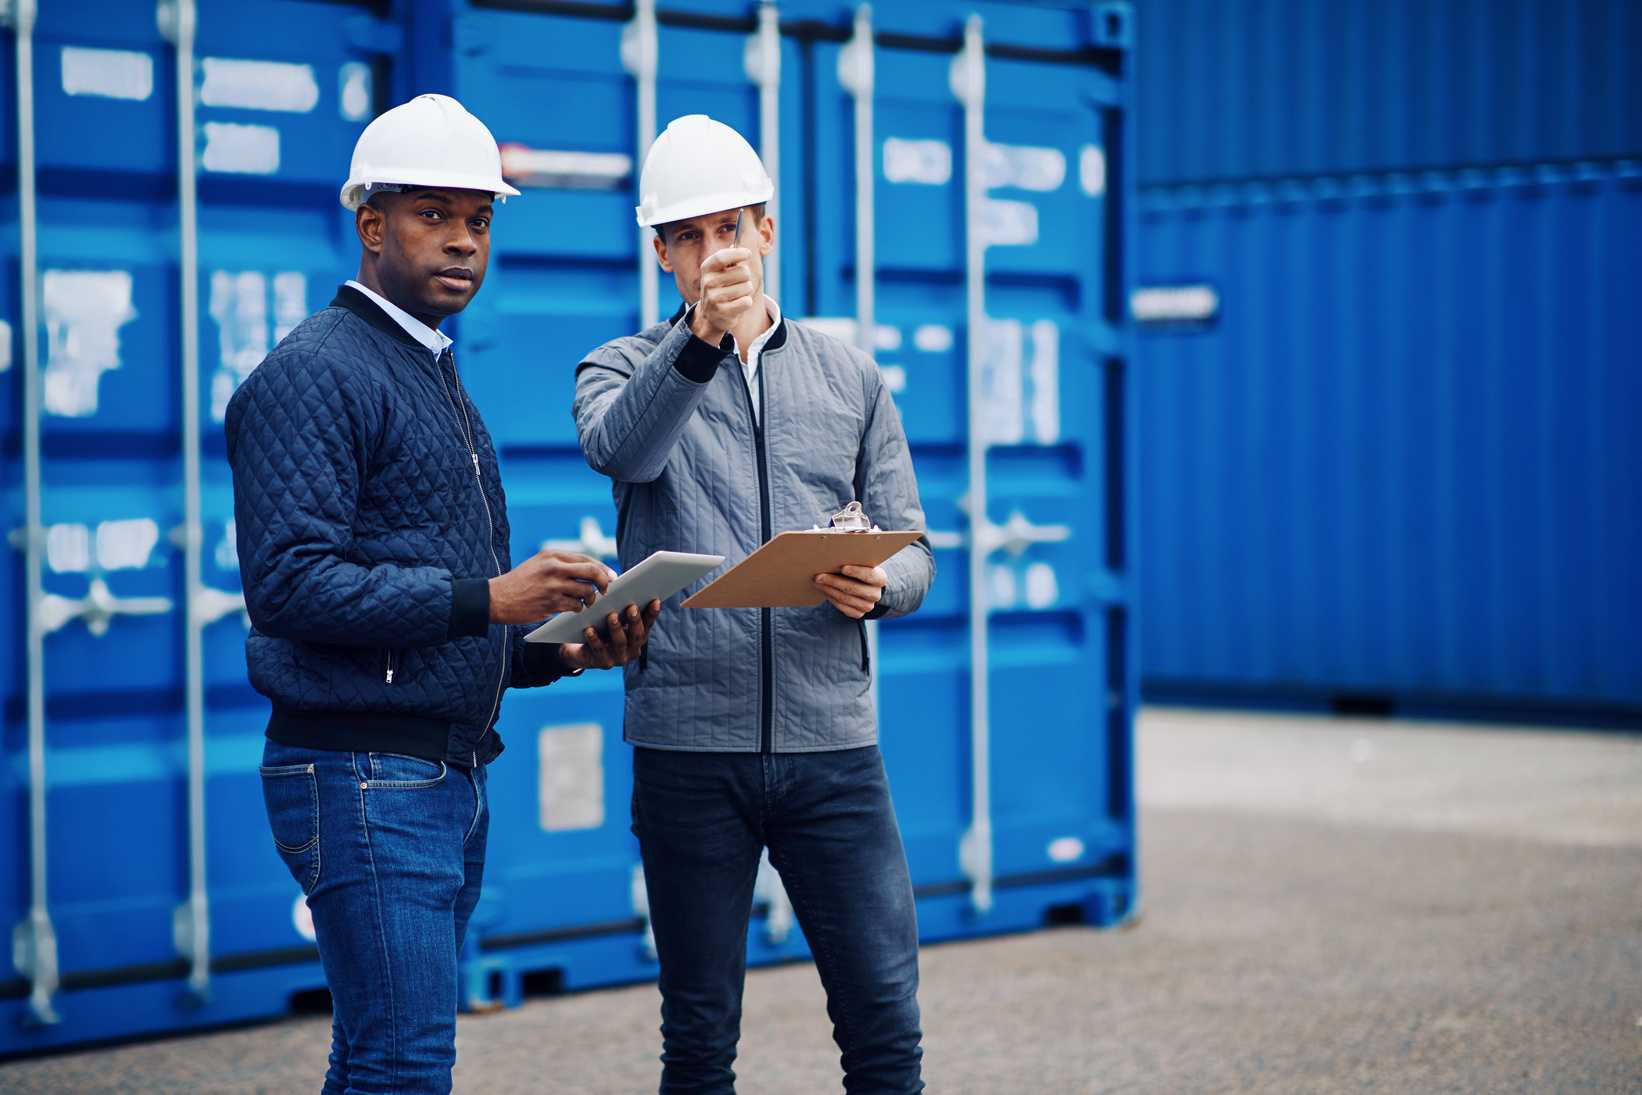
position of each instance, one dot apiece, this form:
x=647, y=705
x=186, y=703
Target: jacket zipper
x=388, y=675
x=766, y=665
x=490, y=526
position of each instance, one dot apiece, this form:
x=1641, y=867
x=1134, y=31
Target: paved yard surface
x=1330, y=906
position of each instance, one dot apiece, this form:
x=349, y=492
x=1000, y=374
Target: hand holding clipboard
x=781, y=574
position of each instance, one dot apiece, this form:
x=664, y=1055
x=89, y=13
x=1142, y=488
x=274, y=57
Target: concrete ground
x=1330, y=906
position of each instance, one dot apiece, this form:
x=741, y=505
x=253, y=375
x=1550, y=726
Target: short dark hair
x=663, y=230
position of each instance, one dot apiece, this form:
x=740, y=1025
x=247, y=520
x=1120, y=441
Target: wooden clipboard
x=781, y=573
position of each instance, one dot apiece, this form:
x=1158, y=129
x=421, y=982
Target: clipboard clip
x=852, y=519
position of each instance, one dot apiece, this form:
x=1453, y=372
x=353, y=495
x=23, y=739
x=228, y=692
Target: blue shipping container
x=1394, y=472
x=1022, y=814
x=1280, y=88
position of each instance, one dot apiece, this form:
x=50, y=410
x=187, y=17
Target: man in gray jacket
x=754, y=727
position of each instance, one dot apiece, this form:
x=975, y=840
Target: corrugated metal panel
x=280, y=97
x=1399, y=464
x=1280, y=88
x=273, y=144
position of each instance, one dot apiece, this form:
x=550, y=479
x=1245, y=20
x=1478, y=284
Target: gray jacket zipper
x=466, y=428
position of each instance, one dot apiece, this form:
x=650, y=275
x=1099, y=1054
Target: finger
x=651, y=611
x=596, y=652
x=721, y=260
x=618, y=633
x=866, y=575
x=636, y=631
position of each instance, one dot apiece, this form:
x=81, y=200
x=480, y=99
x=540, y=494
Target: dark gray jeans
x=702, y=820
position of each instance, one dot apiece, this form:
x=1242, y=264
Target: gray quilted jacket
x=669, y=419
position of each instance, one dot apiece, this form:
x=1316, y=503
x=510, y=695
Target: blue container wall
x=1389, y=475
x=281, y=98
x=561, y=900
x=1277, y=88
x=1396, y=466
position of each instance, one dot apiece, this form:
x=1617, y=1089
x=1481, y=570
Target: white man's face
x=684, y=245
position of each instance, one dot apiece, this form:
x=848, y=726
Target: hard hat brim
x=651, y=215
x=353, y=191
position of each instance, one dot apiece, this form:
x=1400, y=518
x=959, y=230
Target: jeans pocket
x=397, y=770
x=291, y=794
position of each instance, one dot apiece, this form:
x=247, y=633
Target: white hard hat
x=699, y=166
x=430, y=141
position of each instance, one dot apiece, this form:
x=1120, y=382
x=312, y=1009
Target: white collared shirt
x=431, y=337
x=749, y=368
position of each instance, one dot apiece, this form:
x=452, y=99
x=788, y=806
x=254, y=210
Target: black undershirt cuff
x=469, y=607
x=699, y=360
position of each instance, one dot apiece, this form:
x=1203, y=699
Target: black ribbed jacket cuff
x=699, y=360
x=539, y=664
x=469, y=607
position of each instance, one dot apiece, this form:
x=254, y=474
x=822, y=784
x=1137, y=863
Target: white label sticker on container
x=1065, y=849
x=1001, y=383
x=5, y=346
x=240, y=305
x=1008, y=223
x=258, y=85
x=926, y=163
x=933, y=338
x=126, y=545
x=302, y=918
x=108, y=73
x=355, y=90
x=895, y=378
x=1024, y=167
x=240, y=149
x=570, y=783
x=1045, y=376
x=566, y=169
x=84, y=311
x=68, y=548
x=227, y=552
x=1092, y=170
x=1042, y=590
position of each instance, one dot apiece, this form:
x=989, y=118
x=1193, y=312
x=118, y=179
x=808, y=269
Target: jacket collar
x=371, y=312
x=777, y=340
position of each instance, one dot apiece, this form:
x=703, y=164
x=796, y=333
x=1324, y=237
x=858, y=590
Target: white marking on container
x=84, y=311
x=570, y=777
x=895, y=378
x=126, y=545
x=1024, y=167
x=355, y=88
x=68, y=548
x=258, y=85
x=1008, y=223
x=933, y=338
x=227, y=553
x=1042, y=590
x=240, y=149
x=239, y=304
x=1003, y=587
x=567, y=169
x=1166, y=304
x=1092, y=170
x=5, y=346
x=1045, y=375
x=925, y=163
x=108, y=73
x=1002, y=410
x=886, y=337
x=1064, y=849
x=302, y=918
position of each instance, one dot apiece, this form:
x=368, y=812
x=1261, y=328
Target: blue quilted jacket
x=370, y=515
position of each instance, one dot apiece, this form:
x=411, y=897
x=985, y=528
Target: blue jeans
x=390, y=851
x=701, y=820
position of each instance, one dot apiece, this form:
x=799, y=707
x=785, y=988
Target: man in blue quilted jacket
x=754, y=728
x=373, y=542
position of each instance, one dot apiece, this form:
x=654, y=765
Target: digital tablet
x=656, y=578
